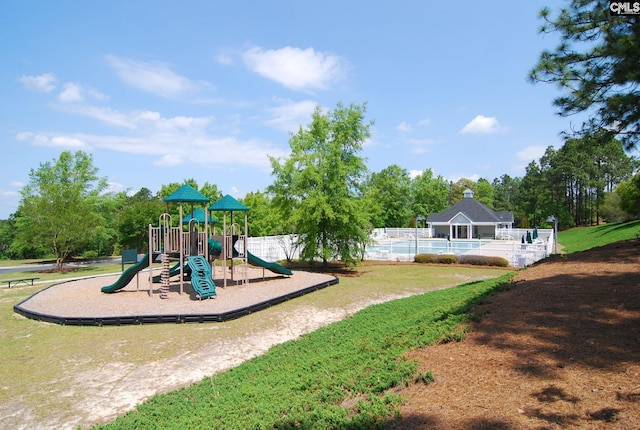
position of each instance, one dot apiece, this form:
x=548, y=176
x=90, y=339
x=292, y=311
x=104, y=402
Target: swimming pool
x=426, y=246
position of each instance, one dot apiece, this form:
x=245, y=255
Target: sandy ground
x=83, y=298
x=117, y=386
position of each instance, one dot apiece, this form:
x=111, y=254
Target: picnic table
x=15, y=282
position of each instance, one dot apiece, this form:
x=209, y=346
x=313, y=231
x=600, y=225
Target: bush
x=476, y=260
x=90, y=254
x=498, y=261
x=483, y=260
x=447, y=258
x=425, y=258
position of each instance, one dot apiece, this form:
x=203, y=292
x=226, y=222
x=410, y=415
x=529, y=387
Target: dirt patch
x=561, y=349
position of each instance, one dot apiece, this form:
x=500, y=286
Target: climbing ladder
x=201, y=277
x=164, y=277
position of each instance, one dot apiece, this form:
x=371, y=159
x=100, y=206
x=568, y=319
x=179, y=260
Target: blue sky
x=163, y=91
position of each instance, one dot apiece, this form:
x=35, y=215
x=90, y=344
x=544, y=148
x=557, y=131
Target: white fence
x=401, y=233
x=273, y=248
x=511, y=244
x=399, y=244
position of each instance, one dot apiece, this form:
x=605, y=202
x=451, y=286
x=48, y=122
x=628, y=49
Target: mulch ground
x=561, y=349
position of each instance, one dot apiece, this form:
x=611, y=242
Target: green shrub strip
x=335, y=377
x=475, y=260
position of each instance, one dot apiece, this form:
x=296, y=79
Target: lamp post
x=554, y=220
x=418, y=219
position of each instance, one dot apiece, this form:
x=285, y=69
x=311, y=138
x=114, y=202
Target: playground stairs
x=164, y=278
x=201, y=280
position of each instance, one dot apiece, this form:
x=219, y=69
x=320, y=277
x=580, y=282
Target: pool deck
x=517, y=253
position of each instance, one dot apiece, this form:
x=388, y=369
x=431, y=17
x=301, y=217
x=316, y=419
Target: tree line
x=325, y=194
x=322, y=191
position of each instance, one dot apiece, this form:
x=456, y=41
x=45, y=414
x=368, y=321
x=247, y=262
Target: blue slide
x=127, y=275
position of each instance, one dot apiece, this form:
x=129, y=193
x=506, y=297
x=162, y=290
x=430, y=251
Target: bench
x=19, y=281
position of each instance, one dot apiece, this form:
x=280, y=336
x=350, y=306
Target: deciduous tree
x=629, y=192
x=57, y=207
x=429, y=193
x=263, y=219
x=319, y=185
x=390, y=191
x=484, y=192
x=134, y=217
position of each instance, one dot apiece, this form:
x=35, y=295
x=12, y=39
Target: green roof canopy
x=228, y=203
x=187, y=193
x=198, y=215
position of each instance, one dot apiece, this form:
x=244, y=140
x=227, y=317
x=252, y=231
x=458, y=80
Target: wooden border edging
x=170, y=318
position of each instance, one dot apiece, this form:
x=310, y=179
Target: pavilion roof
x=187, y=193
x=228, y=203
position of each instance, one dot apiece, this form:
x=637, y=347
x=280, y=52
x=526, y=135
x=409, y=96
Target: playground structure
x=197, y=249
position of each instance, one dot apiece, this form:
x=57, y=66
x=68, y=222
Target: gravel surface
x=83, y=298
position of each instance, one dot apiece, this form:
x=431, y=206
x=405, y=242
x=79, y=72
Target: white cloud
x=97, y=94
x=483, y=125
x=155, y=78
x=421, y=146
x=71, y=93
x=44, y=83
x=105, y=115
x=67, y=142
x=51, y=140
x=297, y=69
x=415, y=173
x=531, y=153
x=457, y=176
x=9, y=193
x=404, y=127
x=24, y=136
x=290, y=116
x=114, y=187
x=225, y=59
x=167, y=141
x=170, y=160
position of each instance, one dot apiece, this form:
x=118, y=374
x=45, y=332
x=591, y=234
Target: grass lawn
x=583, y=238
x=48, y=370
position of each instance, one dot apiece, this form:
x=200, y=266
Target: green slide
x=173, y=271
x=215, y=248
x=127, y=275
x=274, y=267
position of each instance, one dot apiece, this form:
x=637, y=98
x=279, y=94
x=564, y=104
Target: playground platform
x=81, y=302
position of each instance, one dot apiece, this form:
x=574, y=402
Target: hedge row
x=476, y=260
